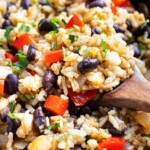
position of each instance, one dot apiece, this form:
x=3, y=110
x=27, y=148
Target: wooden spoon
x=134, y=93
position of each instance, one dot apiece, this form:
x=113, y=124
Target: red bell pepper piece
x=119, y=3
x=113, y=8
x=53, y=56
x=32, y=72
x=11, y=57
x=128, y=3
x=1, y=87
x=79, y=99
x=24, y=39
x=75, y=20
x=56, y=105
x=112, y=143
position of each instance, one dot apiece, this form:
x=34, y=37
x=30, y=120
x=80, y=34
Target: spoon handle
x=134, y=93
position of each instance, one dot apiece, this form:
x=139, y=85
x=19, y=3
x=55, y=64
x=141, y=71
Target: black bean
x=112, y=130
x=88, y=64
x=4, y=112
x=31, y=52
x=6, y=23
x=9, y=5
x=12, y=124
x=118, y=28
x=11, y=84
x=73, y=110
x=45, y=25
x=85, y=110
x=129, y=25
x=97, y=3
x=39, y=119
x=25, y=4
x=137, y=52
x=6, y=16
x=48, y=80
x=12, y=49
x=95, y=30
x=77, y=147
x=140, y=30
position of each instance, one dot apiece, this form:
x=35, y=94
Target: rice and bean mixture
x=55, y=56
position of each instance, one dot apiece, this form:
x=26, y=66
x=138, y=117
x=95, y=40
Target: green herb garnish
x=54, y=22
x=145, y=23
x=87, y=51
x=104, y=46
x=72, y=37
x=22, y=63
x=52, y=32
x=54, y=45
x=33, y=24
x=1, y=41
x=17, y=71
x=64, y=21
x=53, y=126
x=64, y=52
x=141, y=46
x=24, y=28
x=12, y=105
x=7, y=32
x=12, y=115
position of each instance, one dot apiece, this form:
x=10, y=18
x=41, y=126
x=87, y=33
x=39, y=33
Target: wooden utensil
x=134, y=93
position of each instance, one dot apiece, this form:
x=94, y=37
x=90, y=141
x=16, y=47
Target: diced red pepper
x=56, y=105
x=24, y=39
x=53, y=56
x=32, y=72
x=1, y=87
x=112, y=143
x=128, y=3
x=11, y=57
x=79, y=99
x=113, y=8
x=75, y=20
x=119, y=3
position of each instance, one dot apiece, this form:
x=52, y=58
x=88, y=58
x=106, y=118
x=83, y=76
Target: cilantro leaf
x=22, y=63
x=54, y=22
x=72, y=37
x=17, y=71
x=103, y=44
x=53, y=126
x=33, y=24
x=12, y=104
x=24, y=28
x=12, y=115
x=7, y=32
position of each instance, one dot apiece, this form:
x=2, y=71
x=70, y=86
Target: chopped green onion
x=53, y=126
x=24, y=28
x=52, y=32
x=64, y=21
x=54, y=22
x=64, y=52
x=87, y=51
x=54, y=45
x=17, y=71
x=7, y=32
x=72, y=37
x=33, y=24
x=12, y=105
x=12, y=115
